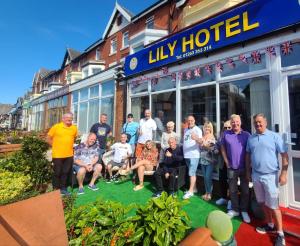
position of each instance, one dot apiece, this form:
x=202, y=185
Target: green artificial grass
x=122, y=192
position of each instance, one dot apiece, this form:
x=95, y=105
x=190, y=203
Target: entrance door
x=292, y=123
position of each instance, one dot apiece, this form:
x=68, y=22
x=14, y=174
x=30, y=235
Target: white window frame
x=98, y=54
x=113, y=43
x=150, y=20
x=125, y=36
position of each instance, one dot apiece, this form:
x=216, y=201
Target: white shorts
x=266, y=189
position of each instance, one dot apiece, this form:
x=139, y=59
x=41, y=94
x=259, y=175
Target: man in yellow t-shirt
x=61, y=137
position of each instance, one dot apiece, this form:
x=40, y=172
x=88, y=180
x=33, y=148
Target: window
x=163, y=83
x=113, y=46
x=138, y=106
x=139, y=86
x=137, y=48
x=98, y=55
x=246, y=98
x=125, y=39
x=163, y=110
x=243, y=67
x=150, y=23
x=292, y=58
x=96, y=70
x=91, y=104
x=197, y=75
x=85, y=73
x=200, y=102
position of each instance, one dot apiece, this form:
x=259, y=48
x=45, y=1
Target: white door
x=291, y=121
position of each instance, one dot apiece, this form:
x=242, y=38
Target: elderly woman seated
x=146, y=162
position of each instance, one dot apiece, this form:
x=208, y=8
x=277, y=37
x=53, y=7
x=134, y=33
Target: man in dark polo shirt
x=102, y=131
x=233, y=149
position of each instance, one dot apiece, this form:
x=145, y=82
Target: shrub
x=31, y=160
x=160, y=222
x=13, y=185
x=163, y=221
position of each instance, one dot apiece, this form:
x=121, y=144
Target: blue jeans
x=207, y=171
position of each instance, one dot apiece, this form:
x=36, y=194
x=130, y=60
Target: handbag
x=127, y=134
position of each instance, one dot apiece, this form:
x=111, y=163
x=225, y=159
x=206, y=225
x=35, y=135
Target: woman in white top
x=165, y=139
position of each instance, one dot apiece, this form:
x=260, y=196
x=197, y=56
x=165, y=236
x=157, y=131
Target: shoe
x=157, y=194
x=246, y=217
x=110, y=180
x=93, y=187
x=229, y=205
x=265, y=229
x=208, y=197
x=232, y=213
x=173, y=194
x=138, y=187
x=280, y=240
x=221, y=201
x=187, y=195
x=116, y=179
x=65, y=193
x=80, y=191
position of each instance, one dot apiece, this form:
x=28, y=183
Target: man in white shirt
x=147, y=126
x=122, y=151
x=191, y=152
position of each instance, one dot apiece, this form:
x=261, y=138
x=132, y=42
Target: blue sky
x=36, y=33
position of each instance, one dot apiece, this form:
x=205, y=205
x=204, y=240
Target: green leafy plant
x=100, y=223
x=13, y=186
x=163, y=221
x=160, y=222
x=31, y=160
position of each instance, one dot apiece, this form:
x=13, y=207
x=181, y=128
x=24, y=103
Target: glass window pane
x=75, y=112
x=293, y=58
x=82, y=124
x=138, y=106
x=196, y=76
x=94, y=91
x=242, y=67
x=296, y=176
x=139, y=86
x=75, y=96
x=93, y=112
x=107, y=107
x=163, y=83
x=200, y=102
x=294, y=100
x=108, y=88
x=246, y=98
x=65, y=101
x=84, y=93
x=163, y=110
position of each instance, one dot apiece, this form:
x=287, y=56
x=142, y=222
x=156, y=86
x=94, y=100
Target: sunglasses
x=227, y=128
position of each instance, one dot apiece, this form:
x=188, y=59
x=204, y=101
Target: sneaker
x=116, y=179
x=221, y=201
x=109, y=180
x=187, y=195
x=246, y=217
x=229, y=205
x=157, y=194
x=232, y=213
x=265, y=229
x=93, y=187
x=173, y=194
x=80, y=191
x=280, y=240
x=65, y=193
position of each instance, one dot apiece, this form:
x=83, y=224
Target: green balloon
x=220, y=225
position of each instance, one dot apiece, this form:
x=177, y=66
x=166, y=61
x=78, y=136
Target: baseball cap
x=130, y=115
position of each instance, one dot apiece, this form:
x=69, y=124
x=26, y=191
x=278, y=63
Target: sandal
x=204, y=197
x=138, y=187
x=208, y=197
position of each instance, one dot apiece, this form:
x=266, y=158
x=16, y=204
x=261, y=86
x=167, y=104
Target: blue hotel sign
x=253, y=19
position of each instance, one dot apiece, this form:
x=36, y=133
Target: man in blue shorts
x=262, y=150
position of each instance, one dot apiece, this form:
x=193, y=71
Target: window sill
x=111, y=54
x=124, y=48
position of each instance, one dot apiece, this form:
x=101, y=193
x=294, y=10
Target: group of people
x=244, y=157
